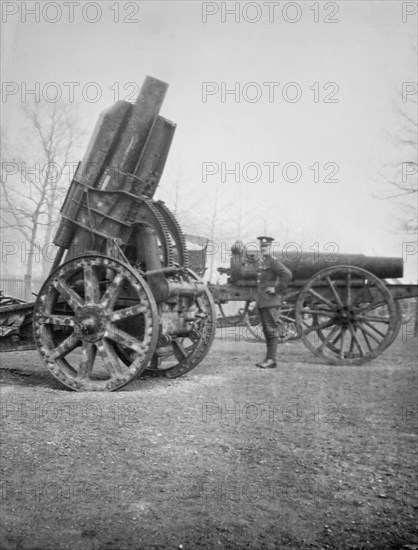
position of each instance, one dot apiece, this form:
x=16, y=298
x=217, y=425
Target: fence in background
x=18, y=287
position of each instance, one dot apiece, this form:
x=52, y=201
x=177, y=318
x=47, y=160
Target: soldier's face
x=265, y=250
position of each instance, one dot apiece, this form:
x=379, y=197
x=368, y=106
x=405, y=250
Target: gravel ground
x=230, y=456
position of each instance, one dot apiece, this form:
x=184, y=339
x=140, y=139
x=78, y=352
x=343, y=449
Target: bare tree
x=400, y=178
x=212, y=224
x=217, y=222
x=174, y=191
x=178, y=192
x=35, y=178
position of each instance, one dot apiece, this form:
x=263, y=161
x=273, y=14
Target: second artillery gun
x=340, y=305
x=120, y=295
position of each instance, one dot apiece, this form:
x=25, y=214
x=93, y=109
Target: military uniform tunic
x=271, y=274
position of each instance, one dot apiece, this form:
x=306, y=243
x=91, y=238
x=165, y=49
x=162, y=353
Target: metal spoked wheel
x=89, y=313
x=347, y=315
x=184, y=353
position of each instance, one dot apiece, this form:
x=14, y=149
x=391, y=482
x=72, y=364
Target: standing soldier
x=272, y=281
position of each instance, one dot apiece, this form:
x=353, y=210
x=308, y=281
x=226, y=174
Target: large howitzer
x=338, y=304
x=120, y=295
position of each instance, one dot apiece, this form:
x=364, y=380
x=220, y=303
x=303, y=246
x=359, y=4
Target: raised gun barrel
x=125, y=156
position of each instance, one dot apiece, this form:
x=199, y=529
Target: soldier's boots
x=267, y=364
x=270, y=360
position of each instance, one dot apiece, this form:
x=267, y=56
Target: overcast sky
x=362, y=57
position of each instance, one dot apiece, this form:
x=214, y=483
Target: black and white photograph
x=208, y=275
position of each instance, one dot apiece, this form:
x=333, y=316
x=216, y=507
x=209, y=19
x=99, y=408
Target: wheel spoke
x=339, y=335
x=289, y=321
x=91, y=285
x=57, y=320
x=332, y=287
x=321, y=298
x=325, y=312
x=123, y=338
x=321, y=326
x=287, y=312
x=374, y=319
x=369, y=333
x=179, y=347
x=328, y=338
x=286, y=319
x=350, y=351
x=68, y=345
x=87, y=361
x=70, y=296
x=306, y=324
x=341, y=354
x=369, y=307
x=115, y=367
x=356, y=340
x=366, y=338
x=110, y=296
x=382, y=334
x=127, y=312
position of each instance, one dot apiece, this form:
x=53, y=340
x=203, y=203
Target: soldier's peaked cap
x=265, y=241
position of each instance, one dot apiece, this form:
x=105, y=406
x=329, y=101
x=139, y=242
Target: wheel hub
x=89, y=323
x=345, y=316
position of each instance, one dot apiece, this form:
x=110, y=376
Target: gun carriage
x=121, y=298
x=339, y=305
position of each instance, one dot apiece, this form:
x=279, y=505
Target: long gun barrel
x=244, y=265
x=303, y=265
x=309, y=263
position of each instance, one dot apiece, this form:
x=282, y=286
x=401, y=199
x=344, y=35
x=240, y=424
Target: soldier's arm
x=284, y=276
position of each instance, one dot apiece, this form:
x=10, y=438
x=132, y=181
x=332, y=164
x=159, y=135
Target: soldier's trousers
x=269, y=317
